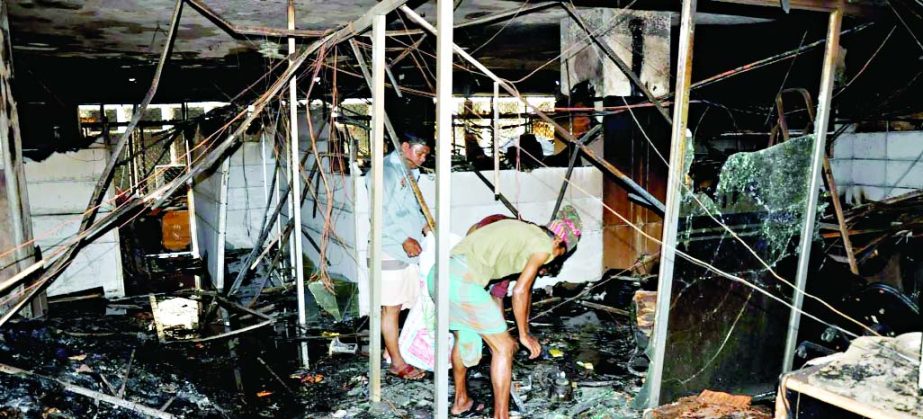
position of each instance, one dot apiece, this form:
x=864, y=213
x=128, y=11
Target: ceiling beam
x=849, y=9
x=242, y=32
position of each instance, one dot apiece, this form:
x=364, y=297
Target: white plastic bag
x=417, y=338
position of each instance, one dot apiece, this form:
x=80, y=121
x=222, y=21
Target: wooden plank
x=841, y=222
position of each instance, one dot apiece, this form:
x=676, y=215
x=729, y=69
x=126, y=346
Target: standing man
x=404, y=224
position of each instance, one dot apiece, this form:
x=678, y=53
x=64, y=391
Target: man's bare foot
x=467, y=409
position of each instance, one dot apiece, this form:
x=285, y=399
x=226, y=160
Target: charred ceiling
x=109, y=49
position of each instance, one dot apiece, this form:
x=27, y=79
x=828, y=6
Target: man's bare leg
x=502, y=347
x=390, y=318
x=460, y=375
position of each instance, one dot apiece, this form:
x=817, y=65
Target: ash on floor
x=261, y=376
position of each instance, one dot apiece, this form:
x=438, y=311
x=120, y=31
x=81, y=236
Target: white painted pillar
x=820, y=141
x=496, y=125
x=674, y=197
x=444, y=131
x=377, y=201
x=222, y=222
x=294, y=162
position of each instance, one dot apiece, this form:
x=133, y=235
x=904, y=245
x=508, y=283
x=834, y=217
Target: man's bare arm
x=522, y=302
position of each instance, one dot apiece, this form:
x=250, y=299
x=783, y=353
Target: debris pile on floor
x=712, y=404
x=877, y=371
x=584, y=370
x=115, y=356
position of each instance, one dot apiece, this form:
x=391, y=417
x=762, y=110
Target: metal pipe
x=495, y=127
x=190, y=207
x=265, y=173
x=278, y=176
x=563, y=133
x=586, y=139
x=397, y=89
x=222, y=223
x=407, y=51
x=272, y=190
x=21, y=276
x=295, y=190
x=679, y=138
x=444, y=132
x=499, y=196
x=377, y=201
x=820, y=140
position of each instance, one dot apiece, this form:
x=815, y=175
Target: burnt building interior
x=193, y=204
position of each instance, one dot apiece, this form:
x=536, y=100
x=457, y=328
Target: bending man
x=491, y=252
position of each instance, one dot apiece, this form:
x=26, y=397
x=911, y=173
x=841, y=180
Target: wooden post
x=840, y=220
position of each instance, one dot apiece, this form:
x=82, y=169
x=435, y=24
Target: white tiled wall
x=875, y=166
x=534, y=193
x=59, y=190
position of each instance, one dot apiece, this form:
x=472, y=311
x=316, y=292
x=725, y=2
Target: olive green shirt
x=502, y=248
